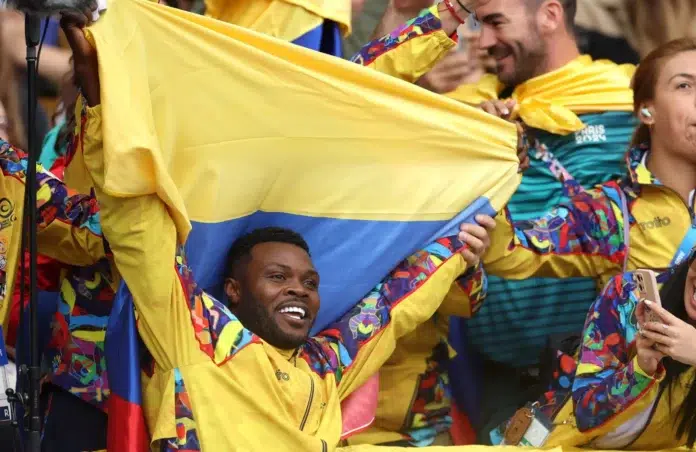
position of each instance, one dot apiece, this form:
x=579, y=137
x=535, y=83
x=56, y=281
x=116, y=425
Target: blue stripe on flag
x=352, y=256
x=122, y=350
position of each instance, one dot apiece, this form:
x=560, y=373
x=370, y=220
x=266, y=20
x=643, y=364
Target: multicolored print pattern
x=475, y=284
x=186, y=436
x=425, y=23
x=54, y=200
x=210, y=318
x=602, y=380
x=606, y=381
x=429, y=414
x=430, y=411
x=335, y=348
x=75, y=353
x=592, y=223
x=587, y=225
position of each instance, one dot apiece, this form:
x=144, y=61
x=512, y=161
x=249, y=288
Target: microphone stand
x=33, y=36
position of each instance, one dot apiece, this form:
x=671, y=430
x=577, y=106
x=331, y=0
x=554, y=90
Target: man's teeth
x=293, y=311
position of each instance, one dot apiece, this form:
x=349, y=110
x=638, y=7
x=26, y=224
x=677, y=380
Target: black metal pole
x=32, y=32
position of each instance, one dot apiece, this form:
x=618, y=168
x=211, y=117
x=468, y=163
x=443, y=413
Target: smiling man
x=528, y=38
x=272, y=286
x=579, y=110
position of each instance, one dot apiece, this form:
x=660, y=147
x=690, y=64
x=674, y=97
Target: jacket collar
x=639, y=174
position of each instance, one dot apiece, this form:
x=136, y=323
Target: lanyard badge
x=528, y=427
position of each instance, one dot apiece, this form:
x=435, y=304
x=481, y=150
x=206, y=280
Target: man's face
x=275, y=294
x=510, y=34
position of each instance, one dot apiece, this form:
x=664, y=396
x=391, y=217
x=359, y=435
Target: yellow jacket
x=409, y=51
x=587, y=237
x=282, y=19
x=608, y=389
x=414, y=395
x=206, y=362
x=57, y=208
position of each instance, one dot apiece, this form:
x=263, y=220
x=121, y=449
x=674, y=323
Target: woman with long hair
x=623, y=390
x=632, y=384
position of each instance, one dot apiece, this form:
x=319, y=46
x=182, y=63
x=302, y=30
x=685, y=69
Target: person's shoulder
x=620, y=294
x=12, y=160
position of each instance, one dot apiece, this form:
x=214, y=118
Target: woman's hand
x=84, y=55
x=476, y=236
x=673, y=337
x=648, y=358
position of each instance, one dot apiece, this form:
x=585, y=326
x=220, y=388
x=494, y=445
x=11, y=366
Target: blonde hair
x=656, y=22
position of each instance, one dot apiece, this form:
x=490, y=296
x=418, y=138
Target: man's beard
x=256, y=318
x=530, y=60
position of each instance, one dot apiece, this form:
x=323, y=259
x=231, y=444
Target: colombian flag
x=235, y=130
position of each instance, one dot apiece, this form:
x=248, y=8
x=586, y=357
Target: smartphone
x=647, y=288
x=472, y=27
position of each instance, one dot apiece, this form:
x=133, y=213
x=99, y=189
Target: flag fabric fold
x=553, y=101
x=127, y=431
x=236, y=130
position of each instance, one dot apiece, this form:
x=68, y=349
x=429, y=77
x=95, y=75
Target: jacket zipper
x=309, y=403
x=324, y=447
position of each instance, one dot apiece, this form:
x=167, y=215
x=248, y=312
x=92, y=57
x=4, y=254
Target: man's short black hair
x=570, y=9
x=241, y=247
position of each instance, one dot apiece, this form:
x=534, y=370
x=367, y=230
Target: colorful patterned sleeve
x=581, y=238
x=409, y=51
x=357, y=345
x=68, y=222
x=608, y=379
x=466, y=294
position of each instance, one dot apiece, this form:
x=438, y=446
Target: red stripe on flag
x=127, y=431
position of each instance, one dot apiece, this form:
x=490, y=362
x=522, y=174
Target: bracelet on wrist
x=450, y=7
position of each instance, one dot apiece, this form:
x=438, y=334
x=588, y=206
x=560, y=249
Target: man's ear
x=233, y=291
x=550, y=17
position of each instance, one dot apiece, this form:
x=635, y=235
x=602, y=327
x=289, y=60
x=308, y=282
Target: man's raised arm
x=412, y=49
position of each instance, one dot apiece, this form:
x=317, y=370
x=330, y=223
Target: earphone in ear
x=645, y=112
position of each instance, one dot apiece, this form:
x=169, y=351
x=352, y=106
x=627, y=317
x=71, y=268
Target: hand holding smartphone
x=647, y=287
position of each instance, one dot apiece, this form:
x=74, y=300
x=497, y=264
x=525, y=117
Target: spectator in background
x=54, y=64
x=653, y=23
x=11, y=122
x=580, y=114
x=601, y=30
x=624, y=31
